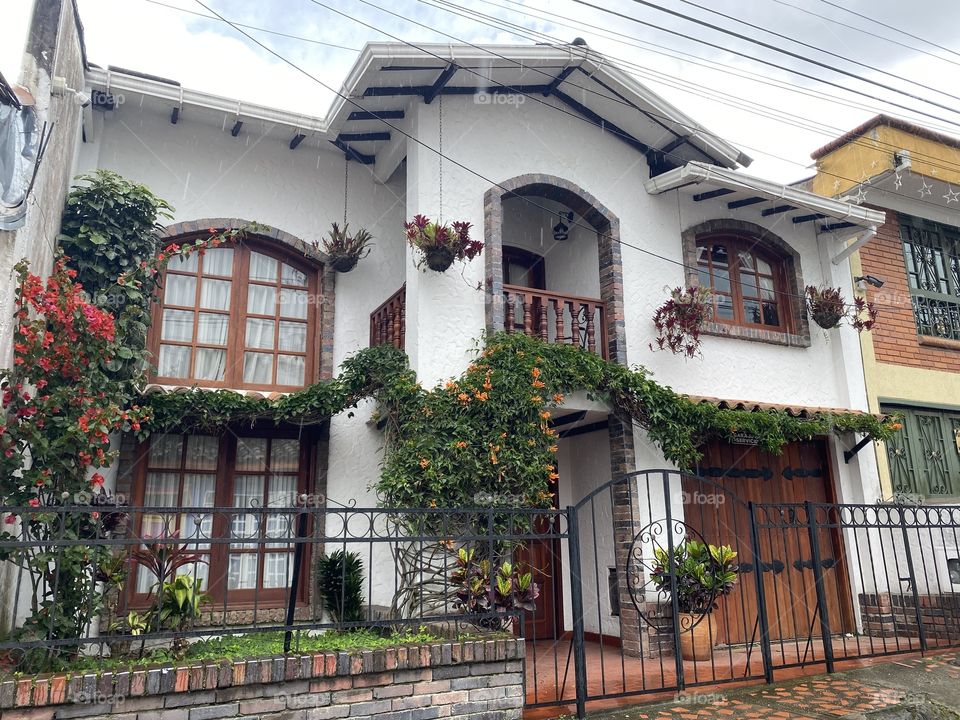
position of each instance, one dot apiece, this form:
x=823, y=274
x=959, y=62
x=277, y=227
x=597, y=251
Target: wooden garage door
x=799, y=474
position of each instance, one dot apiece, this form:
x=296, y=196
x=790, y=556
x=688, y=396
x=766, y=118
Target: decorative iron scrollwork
x=652, y=603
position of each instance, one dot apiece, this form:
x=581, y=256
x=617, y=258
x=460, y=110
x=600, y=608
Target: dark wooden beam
x=376, y=115
x=776, y=210
x=584, y=429
x=175, y=116
x=808, y=218
x=601, y=123
x=558, y=80
x=710, y=194
x=422, y=90
x=746, y=201
x=575, y=416
x=297, y=139
x=235, y=130
x=830, y=227
x=363, y=137
x=352, y=154
x=439, y=83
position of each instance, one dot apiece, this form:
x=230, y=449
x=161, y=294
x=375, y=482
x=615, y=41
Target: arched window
x=749, y=284
x=238, y=317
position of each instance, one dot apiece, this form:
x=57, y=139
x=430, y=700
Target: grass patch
x=252, y=645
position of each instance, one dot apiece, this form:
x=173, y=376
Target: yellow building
x=912, y=357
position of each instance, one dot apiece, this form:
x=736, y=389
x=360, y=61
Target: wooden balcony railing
x=388, y=322
x=556, y=318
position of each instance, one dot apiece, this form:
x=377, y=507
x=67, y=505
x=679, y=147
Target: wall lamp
x=870, y=280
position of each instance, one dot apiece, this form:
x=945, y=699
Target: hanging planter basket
x=344, y=263
x=439, y=258
x=345, y=249
x=826, y=318
x=441, y=244
x=828, y=309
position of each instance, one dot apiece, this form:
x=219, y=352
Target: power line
x=734, y=102
x=890, y=27
x=426, y=146
x=254, y=27
x=765, y=62
x=818, y=49
x=863, y=31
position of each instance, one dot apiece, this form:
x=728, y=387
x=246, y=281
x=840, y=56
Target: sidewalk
x=901, y=689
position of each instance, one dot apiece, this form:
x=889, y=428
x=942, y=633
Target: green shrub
x=340, y=582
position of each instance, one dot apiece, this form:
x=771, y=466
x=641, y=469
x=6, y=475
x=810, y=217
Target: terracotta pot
x=439, y=258
x=698, y=635
x=344, y=263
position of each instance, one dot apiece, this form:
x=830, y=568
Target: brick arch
x=585, y=205
x=292, y=242
x=282, y=237
x=771, y=243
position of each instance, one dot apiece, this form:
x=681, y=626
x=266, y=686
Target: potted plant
x=681, y=318
x=704, y=573
x=828, y=309
x=344, y=249
x=441, y=244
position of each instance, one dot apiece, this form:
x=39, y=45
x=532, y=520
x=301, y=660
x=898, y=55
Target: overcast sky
x=732, y=99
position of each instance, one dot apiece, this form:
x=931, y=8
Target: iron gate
x=818, y=583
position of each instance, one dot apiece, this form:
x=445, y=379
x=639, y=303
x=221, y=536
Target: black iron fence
x=601, y=590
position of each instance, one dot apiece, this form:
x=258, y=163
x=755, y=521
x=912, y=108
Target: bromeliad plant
x=680, y=320
x=340, y=582
x=441, y=244
x=344, y=249
x=704, y=573
x=828, y=309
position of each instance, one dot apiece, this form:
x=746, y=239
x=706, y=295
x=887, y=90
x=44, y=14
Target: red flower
x=34, y=502
x=97, y=480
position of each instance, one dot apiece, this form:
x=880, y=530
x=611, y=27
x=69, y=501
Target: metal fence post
x=762, y=620
x=921, y=633
x=818, y=583
x=672, y=569
x=295, y=580
x=576, y=607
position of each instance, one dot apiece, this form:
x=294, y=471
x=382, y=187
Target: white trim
x=696, y=173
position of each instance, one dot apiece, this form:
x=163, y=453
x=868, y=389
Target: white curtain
x=260, y=333
x=293, y=336
x=218, y=261
x=215, y=294
x=180, y=290
x=257, y=368
x=210, y=364
x=292, y=276
x=177, y=325
x=212, y=329
x=293, y=303
x=261, y=300
x=174, y=361
x=290, y=370
x=262, y=267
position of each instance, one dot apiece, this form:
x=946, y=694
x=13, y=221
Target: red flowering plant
x=680, y=320
x=59, y=405
x=441, y=244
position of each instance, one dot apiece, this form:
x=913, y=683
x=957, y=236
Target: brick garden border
x=474, y=678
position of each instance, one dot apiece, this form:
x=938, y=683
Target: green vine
x=488, y=430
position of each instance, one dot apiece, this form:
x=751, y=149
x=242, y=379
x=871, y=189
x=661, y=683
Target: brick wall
x=895, y=338
x=895, y=615
x=459, y=680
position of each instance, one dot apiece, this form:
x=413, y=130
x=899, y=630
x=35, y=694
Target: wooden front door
x=542, y=558
x=800, y=473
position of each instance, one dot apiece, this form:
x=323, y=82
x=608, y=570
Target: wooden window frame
x=734, y=243
x=533, y=262
x=236, y=338
x=225, y=475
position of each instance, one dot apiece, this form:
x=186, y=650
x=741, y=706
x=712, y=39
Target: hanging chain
x=440, y=100
x=346, y=177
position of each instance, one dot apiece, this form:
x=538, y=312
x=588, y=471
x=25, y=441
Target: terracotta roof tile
x=795, y=410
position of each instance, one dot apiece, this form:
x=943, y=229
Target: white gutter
x=696, y=172
x=119, y=83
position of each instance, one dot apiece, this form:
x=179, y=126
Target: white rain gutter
x=117, y=82
x=695, y=173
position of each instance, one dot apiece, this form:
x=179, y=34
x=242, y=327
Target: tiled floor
x=630, y=681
